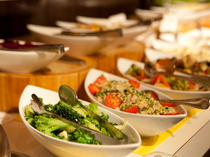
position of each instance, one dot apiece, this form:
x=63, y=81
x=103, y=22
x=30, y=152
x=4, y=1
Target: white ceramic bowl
x=124, y=64
x=128, y=33
x=111, y=22
x=73, y=149
x=146, y=14
x=160, y=44
x=79, y=45
x=153, y=55
x=146, y=125
x=26, y=61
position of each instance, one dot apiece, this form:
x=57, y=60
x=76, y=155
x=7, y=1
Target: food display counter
x=188, y=138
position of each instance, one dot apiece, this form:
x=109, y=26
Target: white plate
x=124, y=64
x=66, y=148
x=146, y=125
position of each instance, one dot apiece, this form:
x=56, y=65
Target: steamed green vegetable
x=57, y=128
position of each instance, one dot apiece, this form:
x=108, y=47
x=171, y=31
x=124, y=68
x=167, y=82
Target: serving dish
x=146, y=125
x=200, y=49
x=79, y=45
x=124, y=64
x=113, y=21
x=66, y=148
x=153, y=55
x=130, y=28
x=28, y=60
x=147, y=14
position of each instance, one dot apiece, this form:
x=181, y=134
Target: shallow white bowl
x=124, y=64
x=153, y=55
x=26, y=61
x=109, y=22
x=73, y=149
x=84, y=45
x=128, y=33
x=146, y=125
x=146, y=14
x=160, y=44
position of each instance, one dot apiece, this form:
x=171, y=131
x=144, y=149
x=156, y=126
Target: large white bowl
x=26, y=61
x=124, y=64
x=73, y=149
x=128, y=32
x=79, y=45
x=146, y=125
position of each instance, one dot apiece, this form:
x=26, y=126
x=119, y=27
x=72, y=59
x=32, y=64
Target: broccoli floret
x=78, y=115
x=83, y=136
x=104, y=116
x=66, y=111
x=80, y=110
x=29, y=114
x=49, y=124
x=75, y=114
x=57, y=128
x=49, y=107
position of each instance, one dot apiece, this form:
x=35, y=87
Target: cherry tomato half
x=132, y=109
x=168, y=104
x=94, y=89
x=112, y=101
x=135, y=84
x=101, y=79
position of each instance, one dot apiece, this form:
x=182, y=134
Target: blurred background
x=15, y=14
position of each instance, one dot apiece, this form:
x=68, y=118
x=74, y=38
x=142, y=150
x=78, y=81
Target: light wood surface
x=65, y=72
x=107, y=59
x=51, y=77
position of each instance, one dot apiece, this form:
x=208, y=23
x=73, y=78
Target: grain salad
x=129, y=96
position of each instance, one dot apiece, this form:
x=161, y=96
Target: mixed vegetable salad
x=125, y=96
x=163, y=81
x=187, y=64
x=57, y=128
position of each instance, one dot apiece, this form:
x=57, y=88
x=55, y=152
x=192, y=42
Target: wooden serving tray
x=51, y=77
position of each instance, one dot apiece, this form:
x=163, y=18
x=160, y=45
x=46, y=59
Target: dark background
x=15, y=14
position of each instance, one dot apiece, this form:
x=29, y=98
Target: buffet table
x=190, y=137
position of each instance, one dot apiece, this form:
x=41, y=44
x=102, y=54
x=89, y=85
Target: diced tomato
x=132, y=109
x=192, y=86
x=176, y=113
x=135, y=84
x=154, y=95
x=112, y=101
x=206, y=71
x=94, y=89
x=141, y=76
x=101, y=79
x=161, y=79
x=168, y=104
x=191, y=83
